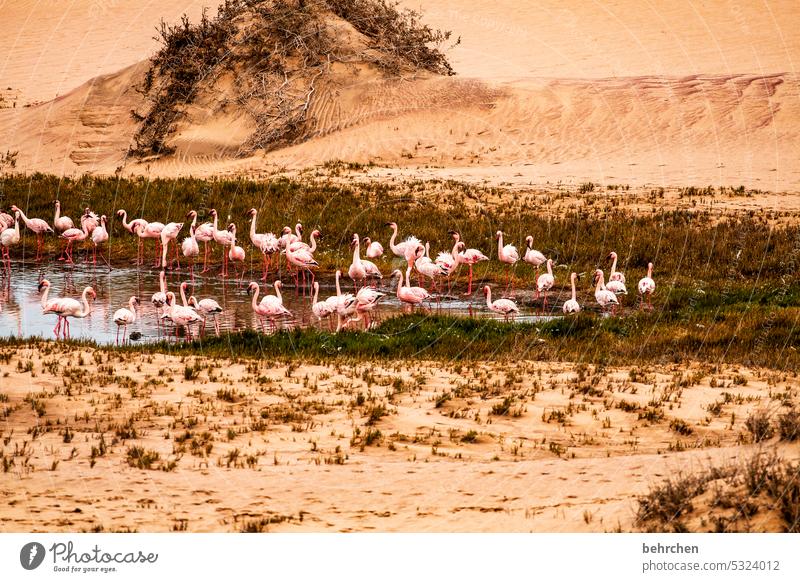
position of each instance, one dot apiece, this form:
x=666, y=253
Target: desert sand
x=354, y=446
x=618, y=93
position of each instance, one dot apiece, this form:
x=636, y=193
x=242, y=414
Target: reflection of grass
x=756, y=337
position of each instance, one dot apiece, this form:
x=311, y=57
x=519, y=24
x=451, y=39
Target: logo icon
x=31, y=555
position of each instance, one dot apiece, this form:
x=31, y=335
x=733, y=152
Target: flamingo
x=366, y=301
x=235, y=253
x=406, y=293
x=343, y=303
x=6, y=221
x=468, y=257
x=427, y=268
x=181, y=316
x=169, y=234
x=505, y=307
x=204, y=234
x=71, y=236
x=61, y=223
x=507, y=254
x=206, y=307
x=360, y=269
x=90, y=218
x=68, y=307
x=49, y=305
x=222, y=238
x=125, y=316
x=605, y=298
x=532, y=256
x=159, y=298
x=8, y=238
x=148, y=230
x=189, y=246
x=321, y=309
x=448, y=262
x=301, y=259
x=545, y=282
x=405, y=250
x=37, y=226
x=267, y=243
x=99, y=236
x=613, y=274
x=271, y=306
x=572, y=305
x=131, y=227
x=374, y=248
x=647, y=287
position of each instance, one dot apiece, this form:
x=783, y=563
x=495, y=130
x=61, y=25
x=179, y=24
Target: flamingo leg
x=469, y=284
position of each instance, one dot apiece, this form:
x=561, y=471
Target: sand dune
x=625, y=92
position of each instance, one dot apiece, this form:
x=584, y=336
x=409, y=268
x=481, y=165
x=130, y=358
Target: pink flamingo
x=545, y=282
x=532, y=256
x=149, y=230
x=206, y=307
x=303, y=261
x=468, y=257
x=427, y=268
x=321, y=309
x=405, y=250
x=343, y=303
x=360, y=269
x=448, y=263
x=131, y=227
x=61, y=223
x=236, y=253
x=572, y=305
x=267, y=243
x=169, y=234
x=37, y=226
x=222, y=238
x=9, y=237
x=613, y=274
x=124, y=317
x=67, y=307
x=647, y=286
x=190, y=248
x=605, y=298
x=71, y=236
x=616, y=280
x=408, y=294
x=99, y=237
x=374, y=248
x=204, y=234
x=366, y=301
x=270, y=307
x=6, y=221
x=509, y=255
x=505, y=307
x=159, y=298
x=180, y=316
x=90, y=218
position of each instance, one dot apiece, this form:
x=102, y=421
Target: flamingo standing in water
x=374, y=248
x=406, y=293
x=71, y=236
x=505, y=307
x=49, y=305
x=169, y=234
x=235, y=253
x=405, y=250
x=509, y=255
x=468, y=257
x=343, y=303
x=8, y=238
x=67, y=307
x=647, y=287
x=448, y=262
x=270, y=307
x=572, y=305
x=125, y=316
x=99, y=237
x=91, y=219
x=148, y=230
x=37, y=226
x=159, y=298
x=206, y=307
x=366, y=301
x=204, y=234
x=131, y=228
x=321, y=309
x=222, y=238
x=545, y=282
x=360, y=269
x=189, y=246
x=61, y=223
x=267, y=243
x=181, y=316
x=303, y=260
x=427, y=268
x=605, y=298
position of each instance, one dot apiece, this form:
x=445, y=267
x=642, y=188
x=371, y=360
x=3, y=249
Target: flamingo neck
x=162, y=282
x=338, y=290
x=58, y=213
x=44, y=296
x=87, y=308
x=614, y=265
x=253, y=225
x=392, y=239
x=408, y=273
x=454, y=252
x=357, y=254
x=489, y=297
x=574, y=295
x=183, y=296
x=500, y=244
x=278, y=293
x=255, y=297
x=297, y=231
x=399, y=283
x=428, y=249
x=549, y=268
x=316, y=293
x=650, y=270
x=313, y=246
x=601, y=284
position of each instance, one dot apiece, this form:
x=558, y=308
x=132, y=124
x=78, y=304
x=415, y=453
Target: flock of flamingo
x=299, y=258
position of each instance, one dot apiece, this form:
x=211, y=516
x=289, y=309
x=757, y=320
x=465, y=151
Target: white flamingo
x=405, y=250
x=374, y=248
x=99, y=237
x=571, y=305
x=124, y=317
x=406, y=293
x=181, y=316
x=647, y=286
x=236, y=253
x=61, y=223
x=189, y=246
x=169, y=234
x=545, y=282
x=469, y=257
x=509, y=255
x=222, y=238
x=267, y=243
x=361, y=269
x=613, y=274
x=505, y=307
x=206, y=307
x=67, y=307
x=37, y=226
x=533, y=257
x=605, y=298
x=270, y=307
x=9, y=238
x=321, y=309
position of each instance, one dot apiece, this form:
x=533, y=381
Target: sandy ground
x=552, y=92
x=262, y=445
